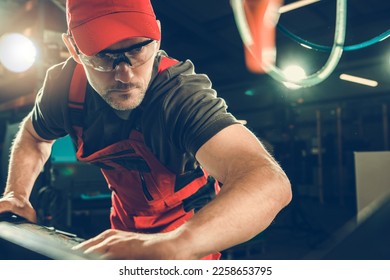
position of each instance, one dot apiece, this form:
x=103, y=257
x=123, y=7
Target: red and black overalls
x=143, y=194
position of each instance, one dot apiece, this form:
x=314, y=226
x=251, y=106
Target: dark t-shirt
x=179, y=113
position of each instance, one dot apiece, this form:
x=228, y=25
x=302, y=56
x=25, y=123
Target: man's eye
x=135, y=51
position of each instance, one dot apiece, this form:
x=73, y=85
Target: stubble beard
x=125, y=101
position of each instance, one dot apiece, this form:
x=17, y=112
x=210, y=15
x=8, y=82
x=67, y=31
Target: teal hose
x=324, y=48
x=334, y=57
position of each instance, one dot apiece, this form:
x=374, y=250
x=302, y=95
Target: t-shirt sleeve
x=50, y=110
x=194, y=113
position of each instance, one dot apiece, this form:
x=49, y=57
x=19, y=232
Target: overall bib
x=144, y=198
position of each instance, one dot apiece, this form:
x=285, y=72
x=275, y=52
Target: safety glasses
x=107, y=60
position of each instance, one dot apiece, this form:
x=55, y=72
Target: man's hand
x=117, y=244
x=17, y=205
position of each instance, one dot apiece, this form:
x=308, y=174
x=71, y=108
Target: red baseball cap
x=97, y=24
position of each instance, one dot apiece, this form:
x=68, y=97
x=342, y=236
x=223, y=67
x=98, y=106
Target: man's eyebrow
x=135, y=46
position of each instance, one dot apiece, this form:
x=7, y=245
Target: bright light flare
x=294, y=73
x=17, y=52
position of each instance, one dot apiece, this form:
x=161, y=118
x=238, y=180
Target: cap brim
x=102, y=32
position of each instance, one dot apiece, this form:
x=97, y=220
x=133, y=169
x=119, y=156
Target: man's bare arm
x=29, y=153
x=255, y=189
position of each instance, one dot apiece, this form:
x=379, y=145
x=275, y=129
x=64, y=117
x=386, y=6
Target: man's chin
x=124, y=103
x=124, y=106
x=124, y=99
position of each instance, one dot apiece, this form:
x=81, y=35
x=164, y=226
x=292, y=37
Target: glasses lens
x=136, y=55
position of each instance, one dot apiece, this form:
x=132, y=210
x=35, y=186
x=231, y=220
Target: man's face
x=125, y=87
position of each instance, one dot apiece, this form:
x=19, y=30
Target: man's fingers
x=93, y=241
x=10, y=203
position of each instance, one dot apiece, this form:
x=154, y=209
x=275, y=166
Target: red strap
x=78, y=87
x=165, y=63
x=76, y=97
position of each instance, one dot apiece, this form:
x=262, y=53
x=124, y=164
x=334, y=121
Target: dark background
x=313, y=132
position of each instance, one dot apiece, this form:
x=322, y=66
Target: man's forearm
x=28, y=156
x=245, y=207
x=255, y=189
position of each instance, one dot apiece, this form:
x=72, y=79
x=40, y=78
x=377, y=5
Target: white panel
x=372, y=171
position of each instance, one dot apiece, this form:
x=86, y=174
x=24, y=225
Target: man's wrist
x=20, y=197
x=185, y=244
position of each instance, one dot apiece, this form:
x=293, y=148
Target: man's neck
x=123, y=114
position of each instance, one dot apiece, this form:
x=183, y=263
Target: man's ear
x=69, y=43
x=159, y=24
x=159, y=27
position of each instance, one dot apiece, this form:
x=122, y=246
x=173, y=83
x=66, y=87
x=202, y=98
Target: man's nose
x=123, y=72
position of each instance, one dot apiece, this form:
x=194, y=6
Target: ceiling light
x=17, y=52
x=358, y=80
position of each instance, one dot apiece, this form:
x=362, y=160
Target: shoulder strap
x=76, y=99
x=165, y=63
x=77, y=89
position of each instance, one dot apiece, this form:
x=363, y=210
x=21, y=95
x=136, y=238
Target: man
x=162, y=138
